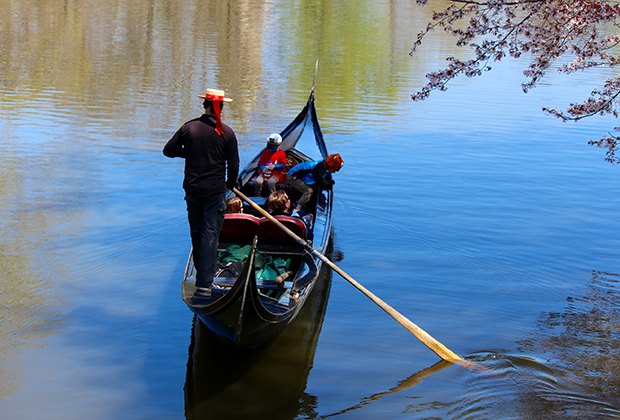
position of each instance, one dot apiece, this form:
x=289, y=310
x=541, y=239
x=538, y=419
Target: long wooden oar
x=439, y=349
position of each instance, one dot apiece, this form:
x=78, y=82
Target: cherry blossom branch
x=544, y=31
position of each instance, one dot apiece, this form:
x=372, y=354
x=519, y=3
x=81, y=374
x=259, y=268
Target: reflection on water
x=471, y=203
x=269, y=382
x=28, y=311
x=578, y=379
x=579, y=376
x=584, y=340
x=524, y=387
x=403, y=385
x=143, y=61
x=513, y=387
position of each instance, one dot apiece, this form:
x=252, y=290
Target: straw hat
x=215, y=94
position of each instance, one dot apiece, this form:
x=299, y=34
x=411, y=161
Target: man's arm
x=301, y=169
x=174, y=147
x=232, y=162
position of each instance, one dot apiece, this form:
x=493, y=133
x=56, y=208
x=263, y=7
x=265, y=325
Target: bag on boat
x=231, y=261
x=234, y=253
x=268, y=268
x=229, y=269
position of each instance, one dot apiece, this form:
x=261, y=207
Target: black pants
x=206, y=217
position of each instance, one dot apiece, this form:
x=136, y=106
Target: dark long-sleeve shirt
x=211, y=160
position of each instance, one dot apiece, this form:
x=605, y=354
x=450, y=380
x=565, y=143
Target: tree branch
x=546, y=31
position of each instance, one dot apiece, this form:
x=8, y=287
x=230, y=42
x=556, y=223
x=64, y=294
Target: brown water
x=489, y=224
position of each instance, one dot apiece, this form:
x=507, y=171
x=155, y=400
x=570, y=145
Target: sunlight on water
x=487, y=222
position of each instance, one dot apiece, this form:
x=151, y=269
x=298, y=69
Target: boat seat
x=239, y=228
x=269, y=233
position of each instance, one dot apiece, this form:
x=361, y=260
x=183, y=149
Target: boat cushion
x=269, y=233
x=239, y=228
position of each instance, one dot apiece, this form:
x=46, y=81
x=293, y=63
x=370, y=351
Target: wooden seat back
x=269, y=233
x=239, y=228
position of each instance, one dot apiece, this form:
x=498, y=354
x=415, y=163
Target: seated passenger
x=234, y=205
x=278, y=204
x=271, y=166
x=306, y=176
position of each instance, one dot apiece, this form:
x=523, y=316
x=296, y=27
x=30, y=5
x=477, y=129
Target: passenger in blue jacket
x=306, y=176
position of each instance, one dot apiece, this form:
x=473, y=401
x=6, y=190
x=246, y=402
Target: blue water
x=488, y=223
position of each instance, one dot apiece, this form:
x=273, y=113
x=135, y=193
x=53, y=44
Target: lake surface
x=488, y=223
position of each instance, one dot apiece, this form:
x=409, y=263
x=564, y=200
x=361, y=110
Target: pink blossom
x=543, y=29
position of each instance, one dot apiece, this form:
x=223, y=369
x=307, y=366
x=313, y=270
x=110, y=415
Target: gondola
x=247, y=306
x=266, y=383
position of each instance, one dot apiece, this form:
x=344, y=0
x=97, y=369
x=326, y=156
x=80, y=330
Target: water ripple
x=524, y=387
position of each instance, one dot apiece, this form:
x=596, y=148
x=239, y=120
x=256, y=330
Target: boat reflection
x=403, y=385
x=268, y=382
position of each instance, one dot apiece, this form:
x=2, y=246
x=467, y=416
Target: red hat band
x=216, y=96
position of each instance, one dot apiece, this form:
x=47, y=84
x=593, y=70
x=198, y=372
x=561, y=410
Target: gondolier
x=209, y=148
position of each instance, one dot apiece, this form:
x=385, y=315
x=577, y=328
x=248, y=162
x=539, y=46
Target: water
x=486, y=222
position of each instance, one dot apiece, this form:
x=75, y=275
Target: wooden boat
x=249, y=309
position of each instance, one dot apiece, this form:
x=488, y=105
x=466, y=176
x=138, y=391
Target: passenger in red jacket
x=271, y=166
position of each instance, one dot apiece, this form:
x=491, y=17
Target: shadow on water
x=268, y=382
